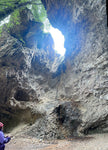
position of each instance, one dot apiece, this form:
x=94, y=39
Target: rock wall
x=84, y=25
x=27, y=82
x=67, y=98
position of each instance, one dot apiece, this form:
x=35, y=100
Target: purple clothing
x=3, y=140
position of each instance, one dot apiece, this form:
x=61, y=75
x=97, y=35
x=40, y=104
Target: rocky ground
x=24, y=142
x=94, y=142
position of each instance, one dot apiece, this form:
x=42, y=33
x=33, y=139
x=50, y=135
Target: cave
x=57, y=94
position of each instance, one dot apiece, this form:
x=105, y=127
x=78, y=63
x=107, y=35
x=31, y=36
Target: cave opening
x=58, y=41
x=40, y=14
x=57, y=36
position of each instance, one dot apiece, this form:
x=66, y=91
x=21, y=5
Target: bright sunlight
x=57, y=37
x=58, y=40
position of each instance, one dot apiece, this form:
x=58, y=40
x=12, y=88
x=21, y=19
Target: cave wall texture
x=67, y=97
x=84, y=25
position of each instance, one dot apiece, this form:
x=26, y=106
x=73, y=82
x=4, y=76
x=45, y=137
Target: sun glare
x=6, y=20
x=57, y=37
x=58, y=40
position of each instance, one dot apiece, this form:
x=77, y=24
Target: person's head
x=1, y=125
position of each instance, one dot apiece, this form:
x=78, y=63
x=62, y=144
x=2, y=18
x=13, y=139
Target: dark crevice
x=97, y=127
x=21, y=95
x=12, y=117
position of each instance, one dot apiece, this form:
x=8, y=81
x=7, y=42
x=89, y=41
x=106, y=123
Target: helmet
x=1, y=124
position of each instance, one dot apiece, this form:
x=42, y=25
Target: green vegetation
x=1, y=30
x=39, y=12
x=7, y=3
x=35, y=6
x=23, y=1
x=8, y=6
x=14, y=19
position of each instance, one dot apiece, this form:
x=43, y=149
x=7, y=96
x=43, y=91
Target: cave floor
x=91, y=142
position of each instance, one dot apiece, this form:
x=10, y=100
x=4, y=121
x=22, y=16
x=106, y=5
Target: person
x=3, y=139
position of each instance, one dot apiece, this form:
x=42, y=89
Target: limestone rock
x=86, y=77
x=67, y=97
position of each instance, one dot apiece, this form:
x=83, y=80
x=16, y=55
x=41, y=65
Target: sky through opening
x=57, y=37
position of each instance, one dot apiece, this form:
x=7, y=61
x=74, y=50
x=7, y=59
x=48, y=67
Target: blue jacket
x=3, y=140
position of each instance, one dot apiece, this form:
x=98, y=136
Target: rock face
x=28, y=78
x=63, y=98
x=86, y=78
